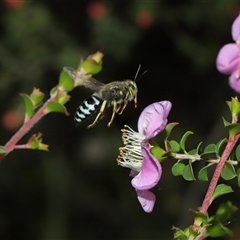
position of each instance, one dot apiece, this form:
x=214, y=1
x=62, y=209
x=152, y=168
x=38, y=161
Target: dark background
x=76, y=190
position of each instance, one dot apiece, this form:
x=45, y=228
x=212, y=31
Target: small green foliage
x=198, y=215
x=184, y=138
x=175, y=147
x=188, y=172
x=225, y=211
x=192, y=232
x=157, y=152
x=169, y=129
x=193, y=152
x=203, y=173
x=220, y=145
x=177, y=168
x=36, y=97
x=92, y=65
x=97, y=57
x=225, y=122
x=2, y=150
x=228, y=171
x=63, y=99
x=237, y=152
x=220, y=190
x=208, y=226
x=234, y=107
x=54, y=91
x=180, y=234
x=238, y=176
x=66, y=82
x=218, y=230
x=211, y=148
x=35, y=142
x=28, y=105
x=56, y=107
x=233, y=129
x=198, y=147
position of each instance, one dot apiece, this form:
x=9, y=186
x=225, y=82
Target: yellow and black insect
x=115, y=94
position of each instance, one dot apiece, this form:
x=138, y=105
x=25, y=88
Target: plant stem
x=10, y=145
x=228, y=149
x=207, y=200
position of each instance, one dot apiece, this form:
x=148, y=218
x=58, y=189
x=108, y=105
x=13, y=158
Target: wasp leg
x=135, y=101
x=99, y=114
x=118, y=108
x=115, y=107
x=124, y=106
x=102, y=116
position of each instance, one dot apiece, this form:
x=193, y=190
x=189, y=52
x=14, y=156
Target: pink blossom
x=145, y=168
x=228, y=59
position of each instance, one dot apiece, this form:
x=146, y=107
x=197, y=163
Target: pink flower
x=228, y=59
x=145, y=168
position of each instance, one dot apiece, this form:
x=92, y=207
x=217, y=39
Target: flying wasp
x=115, y=94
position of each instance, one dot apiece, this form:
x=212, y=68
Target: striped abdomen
x=87, y=108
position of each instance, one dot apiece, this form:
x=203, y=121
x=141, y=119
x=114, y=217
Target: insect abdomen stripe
x=87, y=108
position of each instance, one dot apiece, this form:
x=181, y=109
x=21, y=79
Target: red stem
x=228, y=149
x=26, y=127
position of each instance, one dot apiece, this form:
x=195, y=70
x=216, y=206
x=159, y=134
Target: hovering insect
x=115, y=94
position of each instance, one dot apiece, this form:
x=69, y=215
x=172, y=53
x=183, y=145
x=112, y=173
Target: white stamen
x=130, y=155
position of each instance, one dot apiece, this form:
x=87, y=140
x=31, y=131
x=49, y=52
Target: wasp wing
x=83, y=80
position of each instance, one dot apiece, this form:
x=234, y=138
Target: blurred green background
x=77, y=191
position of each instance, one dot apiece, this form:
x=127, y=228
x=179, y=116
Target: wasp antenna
x=139, y=67
x=136, y=79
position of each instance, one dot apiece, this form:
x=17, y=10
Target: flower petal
x=236, y=29
x=153, y=118
x=147, y=200
x=228, y=58
x=234, y=82
x=150, y=174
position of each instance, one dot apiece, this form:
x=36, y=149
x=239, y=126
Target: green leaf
x=174, y=146
x=180, y=235
x=36, y=97
x=193, y=152
x=238, y=176
x=220, y=144
x=35, y=142
x=28, y=105
x=53, y=91
x=177, y=169
x=66, y=82
x=218, y=230
x=228, y=171
x=184, y=138
x=201, y=216
x=233, y=129
x=55, y=107
x=235, y=107
x=225, y=122
x=90, y=66
x=237, y=152
x=225, y=211
x=188, y=172
x=169, y=129
x=198, y=147
x=220, y=190
x=2, y=150
x=211, y=148
x=203, y=173
x=157, y=152
x=63, y=99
